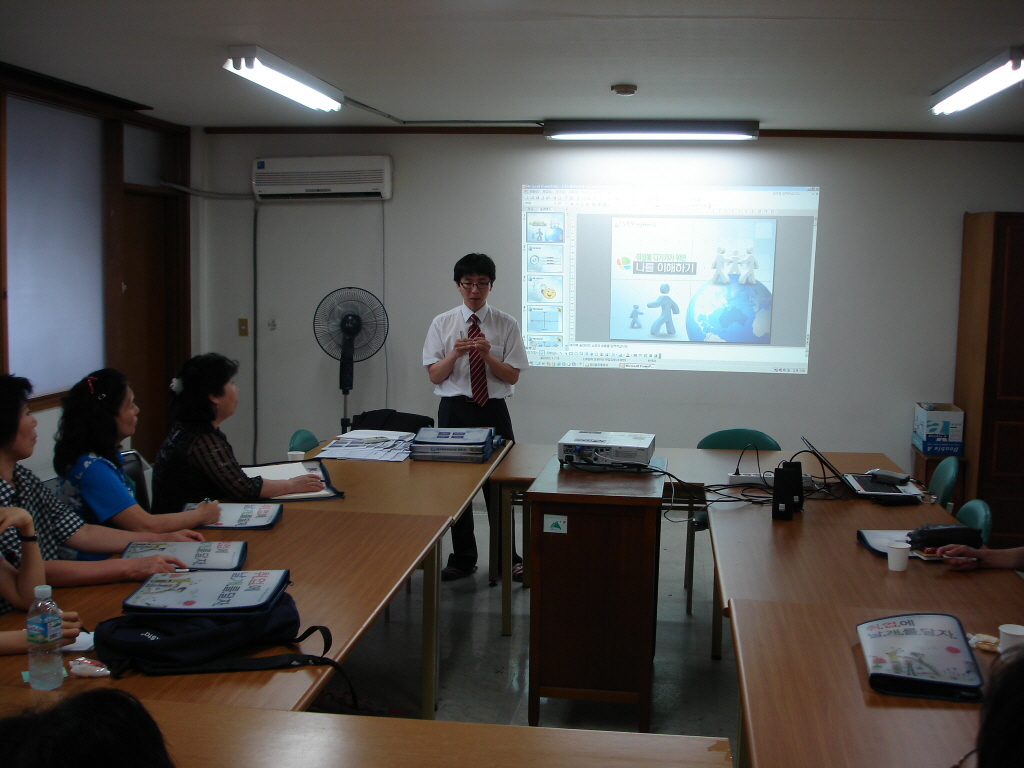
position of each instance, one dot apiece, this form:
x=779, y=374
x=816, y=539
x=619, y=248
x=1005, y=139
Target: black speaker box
x=788, y=491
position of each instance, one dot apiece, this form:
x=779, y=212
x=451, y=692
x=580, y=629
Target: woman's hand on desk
x=139, y=568
x=183, y=535
x=305, y=484
x=71, y=626
x=960, y=557
x=209, y=513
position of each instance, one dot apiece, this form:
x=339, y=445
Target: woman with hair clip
x=99, y=413
x=196, y=460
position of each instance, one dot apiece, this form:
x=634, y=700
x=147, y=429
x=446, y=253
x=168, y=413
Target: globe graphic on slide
x=734, y=312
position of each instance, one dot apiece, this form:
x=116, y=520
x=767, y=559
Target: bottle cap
x=43, y=591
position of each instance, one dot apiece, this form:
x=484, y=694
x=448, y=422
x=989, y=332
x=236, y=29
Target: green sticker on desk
x=556, y=524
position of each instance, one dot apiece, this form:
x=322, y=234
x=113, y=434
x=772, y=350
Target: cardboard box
x=938, y=428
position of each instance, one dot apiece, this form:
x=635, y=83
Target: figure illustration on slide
x=734, y=263
x=668, y=308
x=749, y=264
x=719, y=264
x=633, y=317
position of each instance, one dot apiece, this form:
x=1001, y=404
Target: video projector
x=579, y=446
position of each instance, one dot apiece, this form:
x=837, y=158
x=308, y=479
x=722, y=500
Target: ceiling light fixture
x=991, y=77
x=264, y=68
x=651, y=130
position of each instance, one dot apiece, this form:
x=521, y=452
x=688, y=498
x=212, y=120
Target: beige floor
x=483, y=675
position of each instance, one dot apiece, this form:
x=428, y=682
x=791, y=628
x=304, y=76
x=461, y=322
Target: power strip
x=752, y=478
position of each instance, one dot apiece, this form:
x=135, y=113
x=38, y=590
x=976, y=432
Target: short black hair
x=14, y=392
x=88, y=422
x=1000, y=742
x=475, y=264
x=110, y=724
x=198, y=379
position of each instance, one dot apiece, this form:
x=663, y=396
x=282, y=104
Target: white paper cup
x=1010, y=635
x=899, y=553
x=296, y=455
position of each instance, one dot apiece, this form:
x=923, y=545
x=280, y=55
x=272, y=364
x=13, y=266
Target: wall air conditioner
x=360, y=177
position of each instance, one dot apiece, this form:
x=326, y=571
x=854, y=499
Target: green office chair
x=943, y=480
x=738, y=439
x=303, y=440
x=729, y=439
x=976, y=513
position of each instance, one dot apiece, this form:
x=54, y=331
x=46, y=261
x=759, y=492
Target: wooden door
x=152, y=329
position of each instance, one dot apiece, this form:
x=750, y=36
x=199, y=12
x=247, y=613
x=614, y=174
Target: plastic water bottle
x=45, y=663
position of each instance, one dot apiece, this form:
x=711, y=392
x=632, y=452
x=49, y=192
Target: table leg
x=527, y=572
x=741, y=757
x=716, y=619
x=508, y=534
x=431, y=649
x=495, y=492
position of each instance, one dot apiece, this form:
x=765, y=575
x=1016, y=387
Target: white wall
x=883, y=331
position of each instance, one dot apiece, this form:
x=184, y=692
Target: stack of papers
x=471, y=444
x=369, y=445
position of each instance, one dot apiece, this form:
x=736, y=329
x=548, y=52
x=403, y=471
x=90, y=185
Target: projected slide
x=714, y=279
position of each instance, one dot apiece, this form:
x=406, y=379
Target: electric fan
x=350, y=325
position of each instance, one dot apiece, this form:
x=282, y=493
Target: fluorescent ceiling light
x=991, y=77
x=255, y=64
x=651, y=130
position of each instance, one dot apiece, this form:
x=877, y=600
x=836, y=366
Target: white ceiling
x=792, y=64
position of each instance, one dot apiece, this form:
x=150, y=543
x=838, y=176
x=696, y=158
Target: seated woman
x=18, y=584
x=196, y=461
x=55, y=524
x=100, y=412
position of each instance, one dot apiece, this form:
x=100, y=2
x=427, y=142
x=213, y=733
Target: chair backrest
x=392, y=420
x=738, y=439
x=135, y=467
x=976, y=513
x=303, y=440
x=943, y=480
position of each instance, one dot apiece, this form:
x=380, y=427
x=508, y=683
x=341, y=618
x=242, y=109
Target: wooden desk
x=806, y=699
x=524, y=462
x=344, y=569
x=815, y=558
x=410, y=488
x=594, y=602
x=199, y=736
x=404, y=487
x=795, y=591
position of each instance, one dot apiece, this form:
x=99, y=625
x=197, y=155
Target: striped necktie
x=477, y=371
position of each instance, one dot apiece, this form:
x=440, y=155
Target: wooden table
x=795, y=591
x=524, y=462
x=200, y=736
x=410, y=488
x=344, y=569
x=594, y=602
x=806, y=699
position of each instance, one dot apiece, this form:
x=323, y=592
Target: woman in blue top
x=99, y=413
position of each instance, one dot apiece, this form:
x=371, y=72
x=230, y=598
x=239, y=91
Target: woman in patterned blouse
x=196, y=461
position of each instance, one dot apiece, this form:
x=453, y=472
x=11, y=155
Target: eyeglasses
x=481, y=286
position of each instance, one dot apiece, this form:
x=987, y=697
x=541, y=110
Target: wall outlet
x=243, y=326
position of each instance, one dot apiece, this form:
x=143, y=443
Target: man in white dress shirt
x=473, y=355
